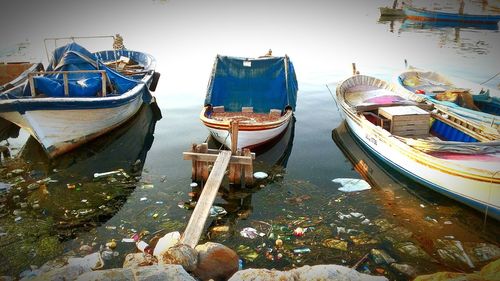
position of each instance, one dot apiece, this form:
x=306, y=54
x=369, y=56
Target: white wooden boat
x=477, y=103
x=79, y=98
x=450, y=157
x=259, y=94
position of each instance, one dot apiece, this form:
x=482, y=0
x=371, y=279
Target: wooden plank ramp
x=196, y=223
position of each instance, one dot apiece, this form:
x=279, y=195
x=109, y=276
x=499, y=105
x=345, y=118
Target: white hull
x=59, y=131
x=473, y=183
x=248, y=138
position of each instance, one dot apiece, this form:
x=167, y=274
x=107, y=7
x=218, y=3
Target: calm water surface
x=322, y=39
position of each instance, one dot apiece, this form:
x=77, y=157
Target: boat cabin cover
x=262, y=83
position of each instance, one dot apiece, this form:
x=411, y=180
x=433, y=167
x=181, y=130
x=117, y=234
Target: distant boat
x=482, y=108
x=426, y=15
x=449, y=157
x=257, y=93
x=13, y=74
x=81, y=96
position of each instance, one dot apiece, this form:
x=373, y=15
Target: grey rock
x=381, y=257
x=108, y=275
x=171, y=272
x=138, y=259
x=317, y=272
x=404, y=269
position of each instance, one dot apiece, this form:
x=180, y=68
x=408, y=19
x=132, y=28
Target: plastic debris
x=301, y=250
x=217, y=211
x=447, y=222
x=193, y=185
x=298, y=232
x=422, y=205
x=365, y=221
x=143, y=199
x=335, y=244
x=70, y=186
x=4, y=187
x=111, y=244
x=260, y=175
x=105, y=174
x=247, y=253
x=357, y=215
x=166, y=242
x=352, y=185
x=128, y=240
x=17, y=219
x=278, y=243
x=249, y=232
x=155, y=215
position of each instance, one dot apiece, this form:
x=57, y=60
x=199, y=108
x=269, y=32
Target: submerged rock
x=137, y=259
x=452, y=251
x=490, y=272
x=482, y=252
x=305, y=273
x=405, y=269
x=215, y=261
x=381, y=257
x=412, y=250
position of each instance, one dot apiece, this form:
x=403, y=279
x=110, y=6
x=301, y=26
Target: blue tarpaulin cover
x=73, y=57
x=263, y=83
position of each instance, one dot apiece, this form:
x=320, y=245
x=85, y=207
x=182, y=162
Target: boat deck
x=247, y=117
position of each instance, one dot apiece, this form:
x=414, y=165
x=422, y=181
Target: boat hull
x=59, y=130
x=425, y=15
x=249, y=135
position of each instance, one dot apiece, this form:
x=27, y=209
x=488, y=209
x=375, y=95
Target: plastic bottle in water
x=144, y=247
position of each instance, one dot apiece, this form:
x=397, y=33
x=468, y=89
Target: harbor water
x=50, y=208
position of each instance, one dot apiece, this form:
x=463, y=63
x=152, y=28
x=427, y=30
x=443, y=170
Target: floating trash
x=111, y=244
x=193, y=185
x=105, y=174
x=4, y=187
x=217, y=211
x=278, y=243
x=70, y=186
x=335, y=244
x=352, y=185
x=298, y=232
x=128, y=240
x=247, y=253
x=260, y=175
x=249, y=232
x=143, y=199
x=301, y=250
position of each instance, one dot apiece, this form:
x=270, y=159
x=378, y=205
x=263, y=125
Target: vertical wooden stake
x=248, y=169
x=233, y=130
x=204, y=164
x=193, y=163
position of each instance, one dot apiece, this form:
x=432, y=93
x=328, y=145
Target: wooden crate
x=407, y=121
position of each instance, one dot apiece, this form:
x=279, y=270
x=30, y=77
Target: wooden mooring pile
x=203, y=159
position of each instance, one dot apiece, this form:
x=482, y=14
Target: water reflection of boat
x=446, y=157
x=124, y=148
x=427, y=15
x=414, y=24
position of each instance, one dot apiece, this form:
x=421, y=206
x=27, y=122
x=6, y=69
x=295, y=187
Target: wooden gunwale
x=257, y=126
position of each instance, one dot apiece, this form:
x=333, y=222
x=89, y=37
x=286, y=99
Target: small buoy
x=260, y=175
x=279, y=243
x=420, y=92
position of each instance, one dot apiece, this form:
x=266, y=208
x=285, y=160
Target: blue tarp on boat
x=73, y=57
x=263, y=83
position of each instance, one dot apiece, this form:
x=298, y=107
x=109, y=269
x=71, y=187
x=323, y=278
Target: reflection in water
x=63, y=193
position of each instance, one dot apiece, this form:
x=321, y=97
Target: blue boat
x=80, y=96
x=426, y=15
x=432, y=25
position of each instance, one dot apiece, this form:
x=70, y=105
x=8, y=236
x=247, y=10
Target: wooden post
x=354, y=71
x=235, y=171
x=204, y=164
x=248, y=169
x=193, y=163
x=233, y=131
x=196, y=223
x=103, y=78
x=66, y=86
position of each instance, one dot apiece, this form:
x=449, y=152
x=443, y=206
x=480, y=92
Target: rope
x=490, y=79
